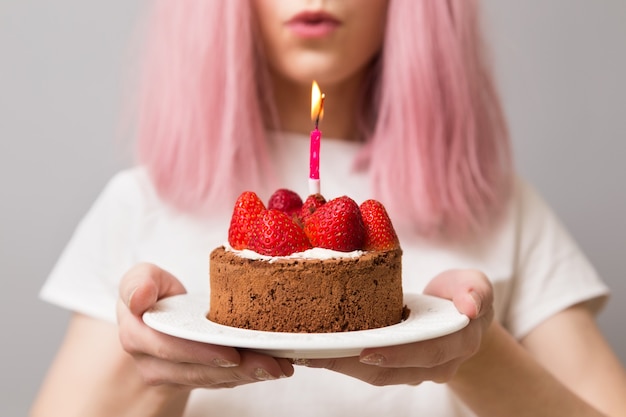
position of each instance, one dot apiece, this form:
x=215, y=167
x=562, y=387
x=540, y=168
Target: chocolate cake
x=314, y=267
x=306, y=295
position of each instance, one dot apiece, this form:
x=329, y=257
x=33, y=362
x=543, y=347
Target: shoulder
x=536, y=222
x=541, y=239
x=527, y=198
x=132, y=182
x=127, y=199
x=130, y=190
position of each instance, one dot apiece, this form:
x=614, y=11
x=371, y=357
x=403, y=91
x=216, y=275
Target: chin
x=315, y=66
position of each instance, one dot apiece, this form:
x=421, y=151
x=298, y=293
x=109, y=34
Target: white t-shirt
x=536, y=268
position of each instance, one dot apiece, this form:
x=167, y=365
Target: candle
x=317, y=114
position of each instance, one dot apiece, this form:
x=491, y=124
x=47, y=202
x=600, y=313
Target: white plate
x=184, y=316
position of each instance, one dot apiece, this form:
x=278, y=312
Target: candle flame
x=317, y=103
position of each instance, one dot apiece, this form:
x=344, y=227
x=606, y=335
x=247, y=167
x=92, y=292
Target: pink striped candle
x=317, y=114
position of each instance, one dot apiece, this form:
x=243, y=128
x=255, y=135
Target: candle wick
x=319, y=112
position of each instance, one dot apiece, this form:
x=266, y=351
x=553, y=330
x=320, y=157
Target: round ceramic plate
x=184, y=316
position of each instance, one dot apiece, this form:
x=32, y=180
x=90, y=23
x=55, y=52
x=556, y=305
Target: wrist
x=473, y=367
x=161, y=400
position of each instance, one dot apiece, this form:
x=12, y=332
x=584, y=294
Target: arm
x=131, y=370
x=571, y=346
x=505, y=379
x=563, y=367
x=91, y=375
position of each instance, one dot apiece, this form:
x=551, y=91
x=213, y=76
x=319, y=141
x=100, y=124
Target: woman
x=415, y=122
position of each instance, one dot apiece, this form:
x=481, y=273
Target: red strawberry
x=336, y=225
x=247, y=208
x=379, y=232
x=274, y=233
x=312, y=203
x=286, y=201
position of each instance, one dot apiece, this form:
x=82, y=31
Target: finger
x=286, y=366
x=138, y=339
x=263, y=367
x=145, y=284
x=470, y=290
x=428, y=353
x=381, y=376
x=253, y=368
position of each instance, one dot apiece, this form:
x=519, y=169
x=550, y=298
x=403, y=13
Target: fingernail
x=477, y=300
x=373, y=359
x=262, y=375
x=301, y=362
x=223, y=363
x=130, y=297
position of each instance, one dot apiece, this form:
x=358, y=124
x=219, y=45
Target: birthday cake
x=312, y=267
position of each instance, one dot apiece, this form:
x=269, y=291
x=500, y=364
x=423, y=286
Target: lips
x=311, y=25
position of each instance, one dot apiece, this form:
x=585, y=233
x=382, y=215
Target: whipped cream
x=313, y=253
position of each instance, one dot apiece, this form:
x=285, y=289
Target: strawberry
x=247, y=208
x=379, y=232
x=274, y=233
x=312, y=203
x=336, y=225
x=286, y=201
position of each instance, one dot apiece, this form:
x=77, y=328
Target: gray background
x=560, y=67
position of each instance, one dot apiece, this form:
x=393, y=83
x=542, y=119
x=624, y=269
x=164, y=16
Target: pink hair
x=440, y=139
x=200, y=131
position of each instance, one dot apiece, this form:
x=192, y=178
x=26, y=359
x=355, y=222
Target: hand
x=431, y=360
x=163, y=359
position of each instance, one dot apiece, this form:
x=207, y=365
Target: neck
x=293, y=103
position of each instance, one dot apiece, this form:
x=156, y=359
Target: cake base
x=312, y=296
